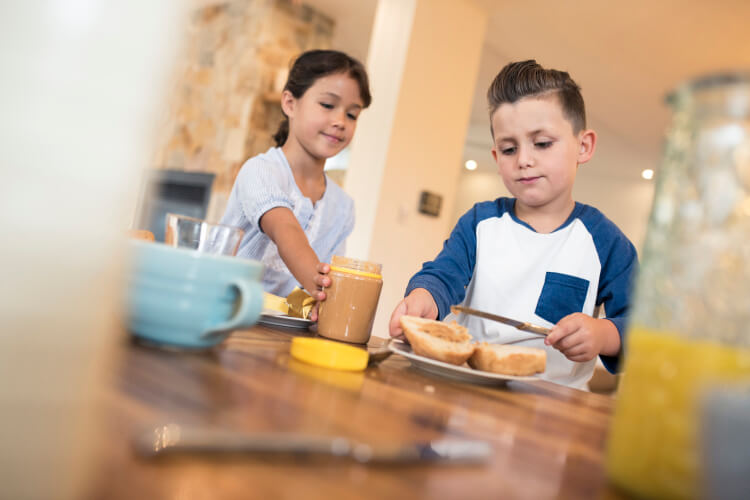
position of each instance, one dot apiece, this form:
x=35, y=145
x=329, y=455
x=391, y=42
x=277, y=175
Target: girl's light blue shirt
x=266, y=181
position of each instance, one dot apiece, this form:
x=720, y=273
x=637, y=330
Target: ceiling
x=626, y=56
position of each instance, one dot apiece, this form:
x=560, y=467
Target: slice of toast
x=508, y=359
x=450, y=343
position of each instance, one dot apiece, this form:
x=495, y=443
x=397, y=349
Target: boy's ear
x=287, y=103
x=588, y=145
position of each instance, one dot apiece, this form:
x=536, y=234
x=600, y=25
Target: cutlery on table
x=175, y=438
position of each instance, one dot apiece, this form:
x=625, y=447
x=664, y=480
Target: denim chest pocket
x=562, y=294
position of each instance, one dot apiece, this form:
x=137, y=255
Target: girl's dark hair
x=314, y=64
x=527, y=78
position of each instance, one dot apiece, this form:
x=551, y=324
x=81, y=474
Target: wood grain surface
x=548, y=441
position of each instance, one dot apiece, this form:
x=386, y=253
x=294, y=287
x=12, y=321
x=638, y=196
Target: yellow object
x=356, y=272
x=654, y=439
x=300, y=303
x=275, y=303
x=329, y=354
x=351, y=381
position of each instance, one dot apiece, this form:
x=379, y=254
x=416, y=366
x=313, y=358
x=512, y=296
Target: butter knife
x=174, y=438
x=527, y=327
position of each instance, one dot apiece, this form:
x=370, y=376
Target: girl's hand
x=581, y=338
x=321, y=280
x=418, y=303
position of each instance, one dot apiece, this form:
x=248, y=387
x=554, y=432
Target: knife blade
x=521, y=325
x=176, y=438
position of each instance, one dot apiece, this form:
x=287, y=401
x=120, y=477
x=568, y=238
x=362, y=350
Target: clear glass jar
x=351, y=301
x=689, y=328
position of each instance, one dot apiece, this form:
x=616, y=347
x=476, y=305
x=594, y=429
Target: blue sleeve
x=447, y=276
x=619, y=261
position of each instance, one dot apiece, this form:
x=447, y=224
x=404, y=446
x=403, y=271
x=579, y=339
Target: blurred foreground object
x=689, y=327
x=725, y=443
x=81, y=83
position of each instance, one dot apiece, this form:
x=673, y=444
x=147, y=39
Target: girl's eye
x=351, y=116
x=543, y=144
x=326, y=105
x=508, y=151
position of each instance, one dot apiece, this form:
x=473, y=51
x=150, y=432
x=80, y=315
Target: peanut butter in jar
x=351, y=301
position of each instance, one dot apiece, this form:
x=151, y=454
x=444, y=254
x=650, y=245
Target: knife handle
x=534, y=329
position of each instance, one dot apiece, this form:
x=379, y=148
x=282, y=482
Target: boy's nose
x=525, y=158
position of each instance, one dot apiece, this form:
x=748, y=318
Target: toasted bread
x=450, y=343
x=508, y=359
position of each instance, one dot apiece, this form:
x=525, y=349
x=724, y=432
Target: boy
x=540, y=256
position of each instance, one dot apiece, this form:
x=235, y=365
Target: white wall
x=424, y=144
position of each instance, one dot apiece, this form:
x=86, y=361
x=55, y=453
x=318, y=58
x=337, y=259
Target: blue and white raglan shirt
x=266, y=181
x=496, y=263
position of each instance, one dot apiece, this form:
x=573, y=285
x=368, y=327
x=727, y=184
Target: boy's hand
x=322, y=280
x=418, y=303
x=581, y=338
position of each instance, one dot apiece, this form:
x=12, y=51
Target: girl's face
x=323, y=120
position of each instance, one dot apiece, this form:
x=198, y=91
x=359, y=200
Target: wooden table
x=548, y=440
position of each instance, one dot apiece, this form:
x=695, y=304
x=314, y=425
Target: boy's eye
x=543, y=144
x=351, y=116
x=508, y=151
x=326, y=105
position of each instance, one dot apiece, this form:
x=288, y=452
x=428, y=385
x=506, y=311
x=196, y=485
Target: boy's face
x=537, y=152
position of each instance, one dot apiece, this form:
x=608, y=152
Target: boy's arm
x=418, y=303
x=282, y=227
x=615, y=292
x=581, y=337
x=446, y=277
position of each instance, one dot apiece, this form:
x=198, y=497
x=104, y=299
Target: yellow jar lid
x=329, y=354
x=356, y=272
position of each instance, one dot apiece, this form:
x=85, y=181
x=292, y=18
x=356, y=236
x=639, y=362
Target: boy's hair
x=527, y=78
x=314, y=64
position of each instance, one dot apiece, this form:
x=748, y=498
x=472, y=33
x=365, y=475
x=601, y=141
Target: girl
x=294, y=218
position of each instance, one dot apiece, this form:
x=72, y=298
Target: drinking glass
x=197, y=234
x=689, y=326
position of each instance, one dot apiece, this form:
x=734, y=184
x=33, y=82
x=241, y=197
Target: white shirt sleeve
x=261, y=186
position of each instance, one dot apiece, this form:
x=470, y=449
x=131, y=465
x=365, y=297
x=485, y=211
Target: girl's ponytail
x=282, y=133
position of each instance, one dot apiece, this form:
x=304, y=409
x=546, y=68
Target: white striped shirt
x=266, y=181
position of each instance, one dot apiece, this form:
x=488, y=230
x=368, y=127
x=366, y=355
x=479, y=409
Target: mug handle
x=251, y=303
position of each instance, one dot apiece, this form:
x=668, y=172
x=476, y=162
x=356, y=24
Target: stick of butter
x=275, y=303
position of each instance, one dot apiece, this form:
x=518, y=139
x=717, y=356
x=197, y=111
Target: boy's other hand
x=418, y=303
x=321, y=280
x=581, y=338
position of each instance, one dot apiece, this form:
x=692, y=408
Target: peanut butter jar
x=351, y=301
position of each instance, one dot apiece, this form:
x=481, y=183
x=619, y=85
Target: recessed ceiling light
x=470, y=165
x=647, y=174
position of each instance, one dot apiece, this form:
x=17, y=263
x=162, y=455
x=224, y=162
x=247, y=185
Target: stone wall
x=224, y=107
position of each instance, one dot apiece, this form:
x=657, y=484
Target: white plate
x=276, y=319
x=461, y=373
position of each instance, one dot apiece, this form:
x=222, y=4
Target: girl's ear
x=588, y=145
x=287, y=103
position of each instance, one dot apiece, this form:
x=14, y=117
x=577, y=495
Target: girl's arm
x=282, y=227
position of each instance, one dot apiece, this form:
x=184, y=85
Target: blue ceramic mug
x=180, y=297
